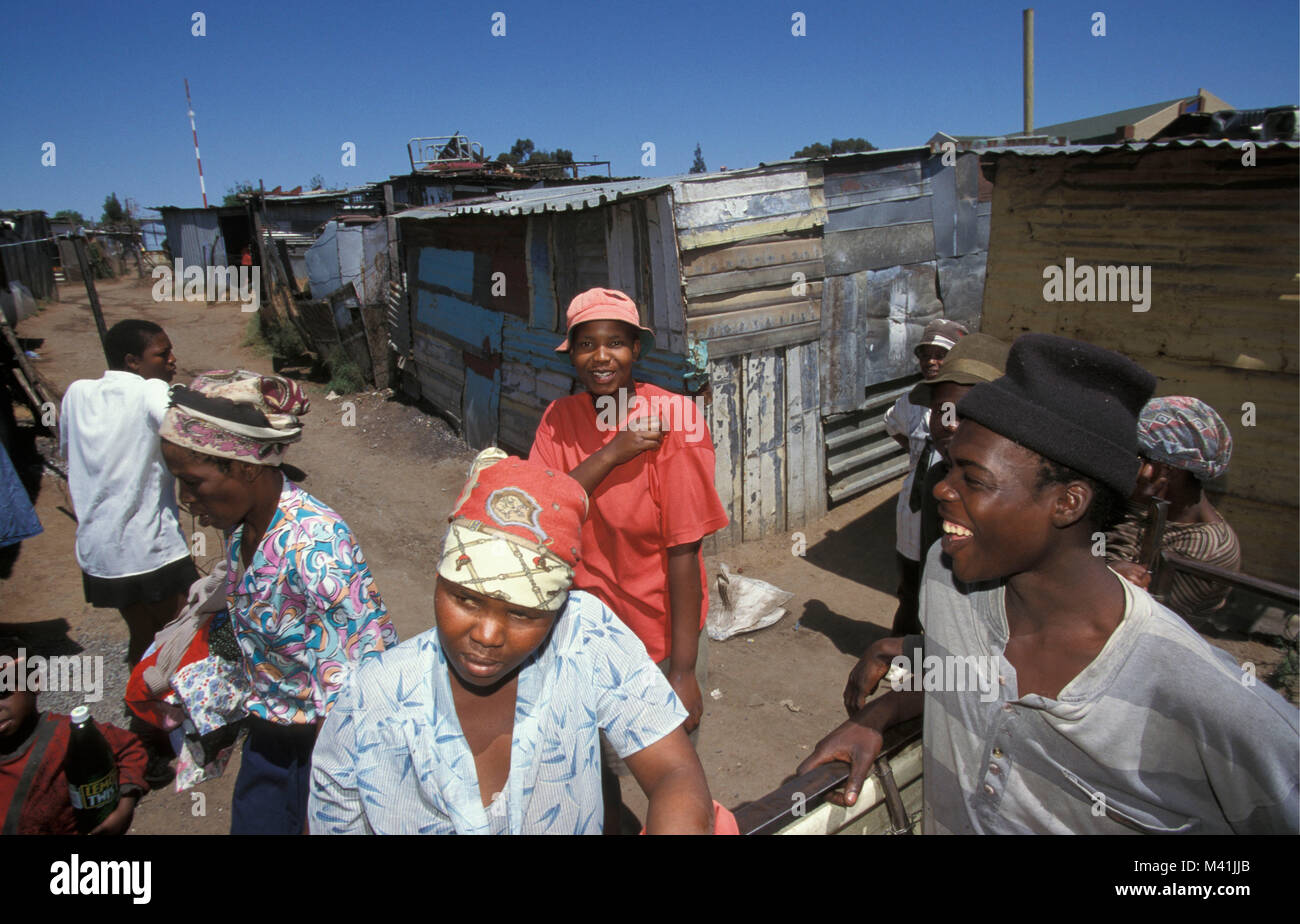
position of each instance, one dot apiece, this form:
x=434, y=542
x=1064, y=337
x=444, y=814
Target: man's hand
x=1132, y=572
x=120, y=820
x=642, y=434
x=871, y=667
x=687, y=689
x=857, y=745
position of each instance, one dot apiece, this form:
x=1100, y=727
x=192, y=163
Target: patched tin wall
x=1222, y=242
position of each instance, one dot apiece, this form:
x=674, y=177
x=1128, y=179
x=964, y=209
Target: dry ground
x=393, y=476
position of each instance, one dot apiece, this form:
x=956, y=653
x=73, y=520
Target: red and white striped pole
x=190, y=106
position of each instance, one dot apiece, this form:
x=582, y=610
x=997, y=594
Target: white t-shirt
x=124, y=497
x=912, y=421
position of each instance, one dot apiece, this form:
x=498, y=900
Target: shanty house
x=732, y=270
x=1216, y=225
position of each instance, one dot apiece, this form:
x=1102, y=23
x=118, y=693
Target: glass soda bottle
x=91, y=772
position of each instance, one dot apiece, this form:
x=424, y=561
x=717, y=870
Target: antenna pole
x=190, y=107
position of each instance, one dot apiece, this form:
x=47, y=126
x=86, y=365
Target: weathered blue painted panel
x=539, y=275
x=536, y=348
x=451, y=269
x=481, y=407
x=471, y=327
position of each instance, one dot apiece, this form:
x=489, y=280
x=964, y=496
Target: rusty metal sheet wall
x=751, y=267
x=903, y=246
x=1222, y=241
x=871, y=321
x=723, y=208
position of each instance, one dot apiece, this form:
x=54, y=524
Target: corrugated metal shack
x=906, y=241
x=28, y=256
x=198, y=236
x=1221, y=238
x=729, y=270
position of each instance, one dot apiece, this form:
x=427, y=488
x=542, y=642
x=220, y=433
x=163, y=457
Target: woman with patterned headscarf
x=1183, y=444
x=489, y=722
x=303, y=604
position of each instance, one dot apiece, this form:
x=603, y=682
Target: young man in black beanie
x=1087, y=707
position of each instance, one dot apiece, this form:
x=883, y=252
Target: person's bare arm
x=120, y=820
x=672, y=779
x=870, y=668
x=685, y=597
x=642, y=434
x=858, y=741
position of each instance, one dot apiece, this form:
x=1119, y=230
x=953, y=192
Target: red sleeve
x=689, y=500
x=130, y=754
x=544, y=449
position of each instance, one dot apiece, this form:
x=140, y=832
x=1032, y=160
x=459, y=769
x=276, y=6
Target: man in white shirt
x=130, y=548
x=909, y=425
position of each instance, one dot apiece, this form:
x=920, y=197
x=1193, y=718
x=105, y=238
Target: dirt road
x=393, y=476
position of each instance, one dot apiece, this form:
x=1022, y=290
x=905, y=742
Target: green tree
x=114, y=214
x=518, y=153
x=233, y=193
x=523, y=151
x=698, y=165
x=317, y=182
x=837, y=146
x=74, y=218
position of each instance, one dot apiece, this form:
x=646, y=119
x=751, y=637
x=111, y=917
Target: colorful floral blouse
x=305, y=610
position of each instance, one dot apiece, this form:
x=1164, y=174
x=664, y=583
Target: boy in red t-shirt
x=34, y=795
x=645, y=457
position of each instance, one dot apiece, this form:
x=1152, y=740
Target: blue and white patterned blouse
x=391, y=757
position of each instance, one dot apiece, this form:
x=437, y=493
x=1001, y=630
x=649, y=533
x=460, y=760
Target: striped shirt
x=391, y=757
x=1161, y=733
x=1212, y=543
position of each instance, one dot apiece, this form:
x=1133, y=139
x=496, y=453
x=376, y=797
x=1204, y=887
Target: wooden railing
x=802, y=794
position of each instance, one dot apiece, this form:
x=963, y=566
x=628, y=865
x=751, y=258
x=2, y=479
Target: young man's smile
x=996, y=522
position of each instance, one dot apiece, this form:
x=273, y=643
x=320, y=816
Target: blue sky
x=279, y=87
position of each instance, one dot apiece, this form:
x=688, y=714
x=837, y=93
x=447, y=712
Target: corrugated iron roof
x=320, y=193
x=534, y=201
x=911, y=149
x=1045, y=150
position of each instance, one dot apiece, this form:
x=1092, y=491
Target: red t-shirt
x=48, y=807
x=662, y=498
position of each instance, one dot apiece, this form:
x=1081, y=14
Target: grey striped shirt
x=1161, y=733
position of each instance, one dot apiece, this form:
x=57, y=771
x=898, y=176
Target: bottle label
x=95, y=794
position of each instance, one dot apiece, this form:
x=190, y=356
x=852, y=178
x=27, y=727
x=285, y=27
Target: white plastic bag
x=742, y=604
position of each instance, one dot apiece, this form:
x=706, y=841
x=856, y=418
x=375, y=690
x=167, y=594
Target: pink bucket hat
x=605, y=305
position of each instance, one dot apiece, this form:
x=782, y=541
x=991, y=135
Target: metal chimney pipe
x=1029, y=71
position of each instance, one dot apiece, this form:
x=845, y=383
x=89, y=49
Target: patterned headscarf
x=236, y=415
x=515, y=532
x=1186, y=433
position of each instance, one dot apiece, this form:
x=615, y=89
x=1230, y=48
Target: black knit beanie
x=1069, y=401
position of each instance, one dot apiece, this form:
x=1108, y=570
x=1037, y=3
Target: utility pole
x=1029, y=71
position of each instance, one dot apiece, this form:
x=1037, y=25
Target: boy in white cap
x=909, y=425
